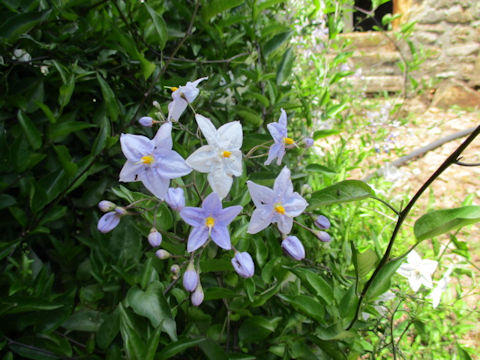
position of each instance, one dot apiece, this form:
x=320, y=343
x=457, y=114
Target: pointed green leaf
x=381, y=283
x=344, y=191
x=14, y=26
x=159, y=24
x=442, y=221
x=214, y=7
x=109, y=98
x=32, y=134
x=285, y=67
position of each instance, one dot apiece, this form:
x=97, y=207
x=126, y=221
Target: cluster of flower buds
x=322, y=223
x=111, y=219
x=191, y=283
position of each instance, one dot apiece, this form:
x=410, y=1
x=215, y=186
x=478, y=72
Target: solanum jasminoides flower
x=210, y=220
x=438, y=290
x=175, y=198
x=279, y=205
x=110, y=220
x=418, y=271
x=221, y=158
x=182, y=96
x=243, y=264
x=278, y=130
x=153, y=162
x=293, y=247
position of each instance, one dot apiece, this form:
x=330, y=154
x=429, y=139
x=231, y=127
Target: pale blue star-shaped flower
x=210, y=220
x=279, y=205
x=278, y=130
x=153, y=162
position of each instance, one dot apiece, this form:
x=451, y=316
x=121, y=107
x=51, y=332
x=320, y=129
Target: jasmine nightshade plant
x=293, y=247
x=175, y=198
x=279, y=205
x=418, y=271
x=182, y=96
x=111, y=219
x=278, y=130
x=210, y=220
x=221, y=158
x=153, y=162
x=243, y=264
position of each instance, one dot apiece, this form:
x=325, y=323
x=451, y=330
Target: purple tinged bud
x=120, y=211
x=308, y=142
x=163, y=254
x=110, y=220
x=175, y=269
x=146, y=121
x=106, y=206
x=190, y=278
x=154, y=238
x=293, y=247
x=322, y=222
x=197, y=296
x=175, y=198
x=323, y=236
x=156, y=104
x=243, y=264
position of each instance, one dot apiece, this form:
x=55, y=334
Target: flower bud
x=154, y=238
x=190, y=278
x=308, y=142
x=120, y=211
x=106, y=206
x=108, y=222
x=175, y=269
x=323, y=236
x=175, y=198
x=293, y=247
x=163, y=254
x=243, y=264
x=156, y=104
x=146, y=121
x=322, y=222
x=197, y=296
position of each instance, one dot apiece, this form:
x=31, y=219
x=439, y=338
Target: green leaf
x=317, y=168
x=306, y=305
x=14, y=26
x=109, y=98
x=67, y=127
x=214, y=293
x=66, y=91
x=317, y=284
x=6, y=201
x=365, y=261
x=132, y=340
x=160, y=26
x=66, y=160
x=20, y=304
x=46, y=110
x=85, y=320
x=319, y=134
x=381, y=283
x=344, y=191
x=442, y=221
x=275, y=42
x=348, y=303
x=257, y=328
x=178, y=347
x=462, y=353
x=285, y=66
x=215, y=7
x=212, y=350
x=251, y=117
x=34, y=136
x=108, y=330
x=152, y=305
x=333, y=110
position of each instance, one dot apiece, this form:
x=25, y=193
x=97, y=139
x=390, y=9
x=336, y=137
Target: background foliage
x=93, y=68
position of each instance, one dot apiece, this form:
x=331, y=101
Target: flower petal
x=230, y=136
x=193, y=216
x=233, y=164
x=135, y=146
x=294, y=205
x=131, y=171
x=415, y=282
x=277, y=150
x=261, y=218
x=211, y=204
x=294, y=247
x=219, y=181
x=283, y=184
x=171, y=165
x=261, y=195
x=413, y=258
x=226, y=216
x=203, y=159
x=198, y=236
x=221, y=237
x=283, y=118
x=196, y=82
x=155, y=183
x=208, y=129
x=176, y=108
x=277, y=131
x=163, y=137
x=427, y=267
x=284, y=224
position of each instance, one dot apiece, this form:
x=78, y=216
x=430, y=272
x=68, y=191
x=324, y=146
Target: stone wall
x=450, y=30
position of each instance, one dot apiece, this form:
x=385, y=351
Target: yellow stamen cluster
x=147, y=159
x=288, y=141
x=210, y=222
x=279, y=209
x=226, y=154
x=174, y=88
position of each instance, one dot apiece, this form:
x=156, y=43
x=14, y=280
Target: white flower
x=222, y=157
x=418, y=271
x=182, y=96
x=436, y=293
